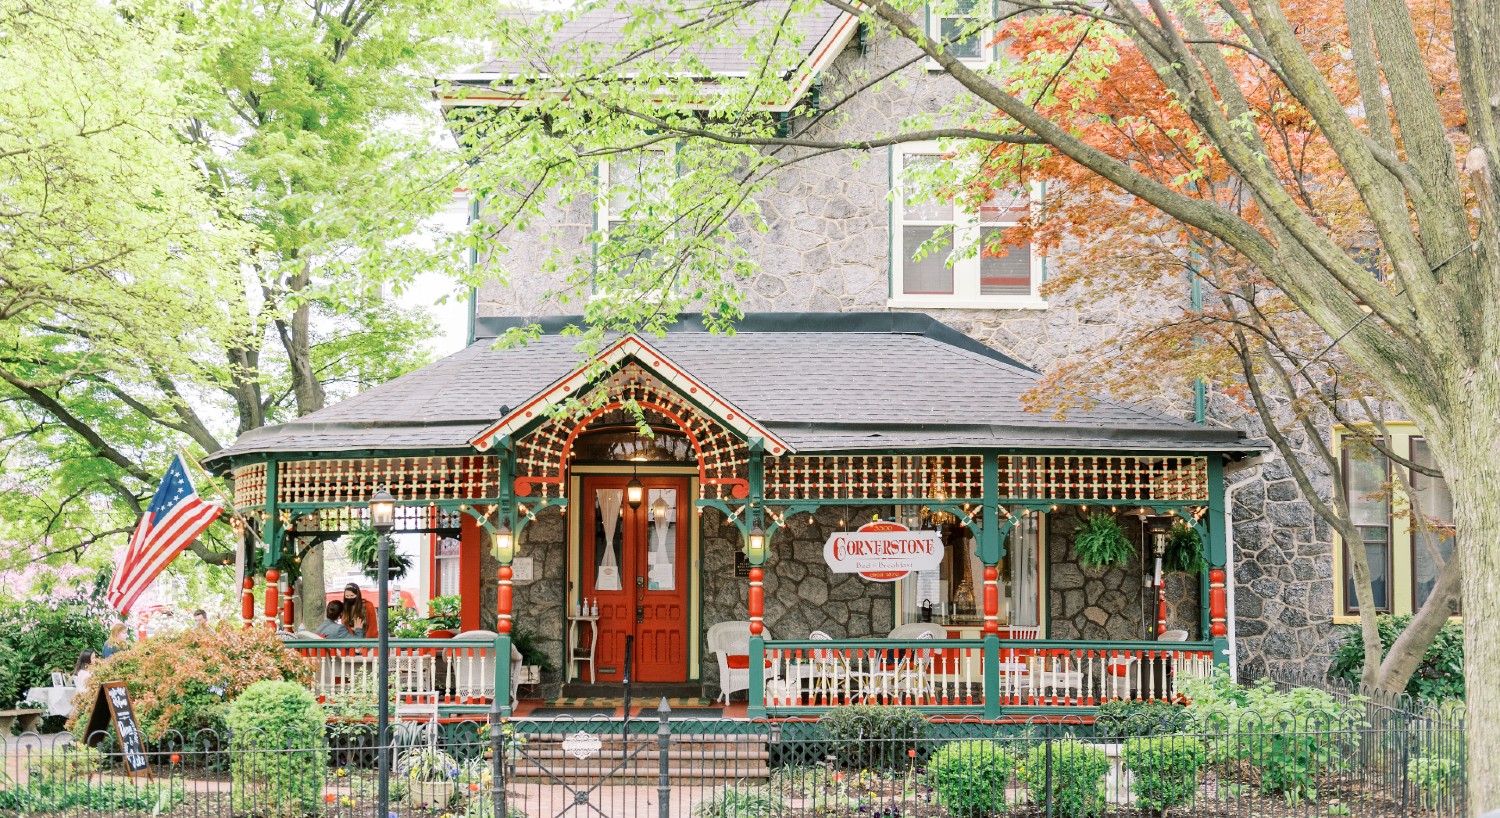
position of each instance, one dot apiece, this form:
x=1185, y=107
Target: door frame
x=694, y=553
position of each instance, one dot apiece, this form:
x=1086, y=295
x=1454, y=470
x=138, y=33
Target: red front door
x=635, y=565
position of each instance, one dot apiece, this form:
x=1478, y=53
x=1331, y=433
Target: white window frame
x=601, y=204
x=966, y=232
x=988, y=55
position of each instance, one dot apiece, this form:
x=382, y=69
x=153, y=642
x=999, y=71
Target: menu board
x=114, y=699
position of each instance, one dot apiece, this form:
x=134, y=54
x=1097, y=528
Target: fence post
x=1048, y=781
x=663, y=750
x=497, y=759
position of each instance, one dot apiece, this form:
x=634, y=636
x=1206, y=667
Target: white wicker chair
x=727, y=639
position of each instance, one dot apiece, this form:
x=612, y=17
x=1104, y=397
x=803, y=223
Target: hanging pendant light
x=634, y=492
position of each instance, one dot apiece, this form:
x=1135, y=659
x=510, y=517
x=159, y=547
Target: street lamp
x=505, y=543
x=383, y=519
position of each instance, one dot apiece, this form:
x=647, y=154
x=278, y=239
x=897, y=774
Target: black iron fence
x=1391, y=759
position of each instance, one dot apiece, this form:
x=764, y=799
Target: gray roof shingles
x=829, y=389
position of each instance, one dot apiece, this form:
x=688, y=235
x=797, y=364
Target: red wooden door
x=635, y=564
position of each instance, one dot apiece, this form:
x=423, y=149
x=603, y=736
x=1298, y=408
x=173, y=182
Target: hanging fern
x=1101, y=543
x=1184, y=550
x=363, y=550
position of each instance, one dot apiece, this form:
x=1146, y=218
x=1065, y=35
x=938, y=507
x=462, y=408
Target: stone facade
x=828, y=249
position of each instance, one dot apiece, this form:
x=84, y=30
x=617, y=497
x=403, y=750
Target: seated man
x=333, y=628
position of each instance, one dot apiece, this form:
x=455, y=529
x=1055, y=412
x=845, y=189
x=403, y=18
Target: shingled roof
x=822, y=382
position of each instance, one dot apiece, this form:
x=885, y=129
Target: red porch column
x=1218, y=606
x=247, y=601
x=288, y=605
x=470, y=572
x=503, y=601
x=991, y=600
x=273, y=578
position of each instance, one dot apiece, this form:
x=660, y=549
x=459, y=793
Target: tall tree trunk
x=310, y=396
x=1473, y=470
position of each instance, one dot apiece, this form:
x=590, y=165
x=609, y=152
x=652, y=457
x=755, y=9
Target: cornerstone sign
x=883, y=551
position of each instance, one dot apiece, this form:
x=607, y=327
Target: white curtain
x=1023, y=572
x=609, y=513
x=663, y=573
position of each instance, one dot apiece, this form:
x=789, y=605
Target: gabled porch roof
x=816, y=382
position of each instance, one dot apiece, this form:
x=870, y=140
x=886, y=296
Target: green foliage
x=41, y=636
x=362, y=549
x=68, y=763
x=1438, y=778
x=1285, y=736
x=407, y=623
x=970, y=777
x=1440, y=674
x=1166, y=770
x=427, y=764
x=1127, y=718
x=1077, y=776
x=1100, y=542
x=740, y=802
x=1184, y=550
x=84, y=797
x=276, y=735
x=444, y=612
x=525, y=641
x=865, y=736
x=182, y=682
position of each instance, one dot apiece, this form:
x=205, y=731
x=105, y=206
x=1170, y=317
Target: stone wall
x=539, y=606
x=801, y=594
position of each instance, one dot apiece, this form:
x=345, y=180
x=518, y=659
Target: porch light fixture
x=660, y=508
x=756, y=547
x=505, y=543
x=634, y=492
x=382, y=510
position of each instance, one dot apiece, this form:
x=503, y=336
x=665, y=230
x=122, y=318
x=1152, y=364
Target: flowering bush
x=183, y=681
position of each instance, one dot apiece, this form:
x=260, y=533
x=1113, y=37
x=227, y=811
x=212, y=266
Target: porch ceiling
x=829, y=382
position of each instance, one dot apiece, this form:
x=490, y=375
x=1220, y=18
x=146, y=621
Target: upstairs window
x=966, y=30
x=635, y=189
x=944, y=254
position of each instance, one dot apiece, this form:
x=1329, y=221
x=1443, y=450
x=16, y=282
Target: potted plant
x=431, y=776
x=1184, y=550
x=1101, y=543
x=364, y=550
x=534, y=661
x=443, y=616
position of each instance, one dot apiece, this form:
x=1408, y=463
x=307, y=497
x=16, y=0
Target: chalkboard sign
x=114, y=699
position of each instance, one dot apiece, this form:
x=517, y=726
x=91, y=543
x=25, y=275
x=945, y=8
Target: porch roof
x=823, y=382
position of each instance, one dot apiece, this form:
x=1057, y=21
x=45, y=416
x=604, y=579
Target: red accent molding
x=247, y=601
x=991, y=599
x=273, y=576
x=757, y=604
x=504, y=600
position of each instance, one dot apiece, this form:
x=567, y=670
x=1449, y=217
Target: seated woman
x=81, y=671
x=356, y=617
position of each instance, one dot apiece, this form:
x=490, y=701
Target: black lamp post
x=383, y=519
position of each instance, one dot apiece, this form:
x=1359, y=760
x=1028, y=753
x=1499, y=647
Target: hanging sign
x=883, y=551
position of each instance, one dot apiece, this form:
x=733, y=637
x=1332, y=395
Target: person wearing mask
x=356, y=616
x=81, y=671
x=332, y=628
x=116, y=641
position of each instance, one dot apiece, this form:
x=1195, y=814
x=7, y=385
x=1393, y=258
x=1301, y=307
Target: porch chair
x=729, y=642
x=471, y=669
x=830, y=672
x=416, y=718
x=1023, y=631
x=914, y=676
x=1173, y=636
x=1121, y=676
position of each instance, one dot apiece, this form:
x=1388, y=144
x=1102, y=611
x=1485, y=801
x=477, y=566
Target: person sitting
x=333, y=628
x=117, y=641
x=356, y=617
x=81, y=671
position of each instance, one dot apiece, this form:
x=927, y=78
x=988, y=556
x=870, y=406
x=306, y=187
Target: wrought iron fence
x=1386, y=758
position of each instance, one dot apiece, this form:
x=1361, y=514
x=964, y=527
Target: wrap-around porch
x=651, y=510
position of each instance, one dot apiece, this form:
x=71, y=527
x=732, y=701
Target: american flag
x=175, y=517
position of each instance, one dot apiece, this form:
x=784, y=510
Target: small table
x=56, y=700
x=579, y=653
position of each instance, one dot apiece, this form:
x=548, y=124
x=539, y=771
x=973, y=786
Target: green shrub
x=68, y=763
x=93, y=798
x=1440, y=675
x=1438, y=778
x=1166, y=770
x=38, y=637
x=1291, y=738
x=1077, y=777
x=276, y=734
x=1125, y=718
x=970, y=777
x=867, y=736
x=739, y=802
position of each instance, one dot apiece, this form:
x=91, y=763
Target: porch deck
x=989, y=678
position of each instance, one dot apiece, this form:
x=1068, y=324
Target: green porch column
x=991, y=549
x=1213, y=608
x=271, y=531
x=505, y=551
x=757, y=558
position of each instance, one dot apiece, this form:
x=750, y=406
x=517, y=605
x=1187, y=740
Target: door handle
x=640, y=613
